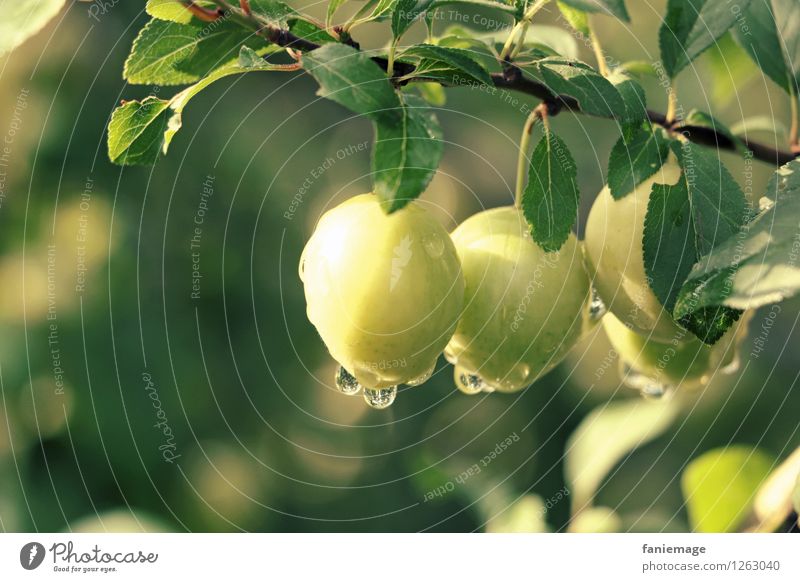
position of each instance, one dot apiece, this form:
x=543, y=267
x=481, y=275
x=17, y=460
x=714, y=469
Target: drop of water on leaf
x=380, y=398
x=346, y=382
x=422, y=379
x=468, y=383
x=597, y=309
x=434, y=246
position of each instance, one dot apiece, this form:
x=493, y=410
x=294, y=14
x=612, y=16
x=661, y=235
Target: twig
x=514, y=80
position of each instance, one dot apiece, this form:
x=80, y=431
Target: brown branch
x=513, y=79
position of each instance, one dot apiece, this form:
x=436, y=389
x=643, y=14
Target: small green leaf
x=760, y=265
x=596, y=520
x=306, y=31
x=447, y=65
x=614, y=8
x=639, y=68
x=697, y=118
x=606, y=436
x=139, y=130
x=168, y=53
x=23, y=19
x=550, y=200
x=405, y=13
x=635, y=158
x=720, y=485
x=772, y=38
x=595, y=94
x=136, y=131
x=173, y=10
x=687, y=220
x=691, y=27
x=576, y=18
x=351, y=79
x=406, y=155
x=273, y=12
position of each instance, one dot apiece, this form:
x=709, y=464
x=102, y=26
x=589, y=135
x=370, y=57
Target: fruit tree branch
x=514, y=79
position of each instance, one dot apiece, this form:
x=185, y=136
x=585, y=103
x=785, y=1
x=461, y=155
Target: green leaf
x=577, y=19
x=273, y=12
x=720, y=485
x=596, y=520
x=351, y=79
x=595, y=94
x=447, y=65
x=23, y=19
x=692, y=26
x=772, y=38
x=168, y=53
x=761, y=264
x=405, y=13
x=136, y=131
x=697, y=118
x=406, y=155
x=687, y=220
x=635, y=158
x=173, y=10
x=306, y=31
x=550, y=200
x=606, y=436
x=633, y=96
x=614, y=8
x=139, y=130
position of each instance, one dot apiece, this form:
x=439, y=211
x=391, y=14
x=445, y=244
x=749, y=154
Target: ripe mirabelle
x=384, y=292
x=524, y=308
x=615, y=257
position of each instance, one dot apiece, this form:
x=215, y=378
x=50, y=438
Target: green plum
x=524, y=308
x=653, y=365
x=384, y=292
x=615, y=259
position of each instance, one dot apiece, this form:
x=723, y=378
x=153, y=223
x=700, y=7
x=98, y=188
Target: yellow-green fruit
x=384, y=291
x=681, y=361
x=523, y=308
x=614, y=233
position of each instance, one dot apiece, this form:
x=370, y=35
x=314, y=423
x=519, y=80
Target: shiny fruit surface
x=614, y=252
x=384, y=291
x=524, y=308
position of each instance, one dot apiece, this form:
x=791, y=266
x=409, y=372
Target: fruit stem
x=672, y=104
x=794, y=138
x=516, y=37
x=522, y=159
x=390, y=58
x=602, y=66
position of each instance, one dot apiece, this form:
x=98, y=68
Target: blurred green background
x=103, y=347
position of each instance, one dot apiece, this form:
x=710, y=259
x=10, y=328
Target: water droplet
x=380, y=398
x=346, y=382
x=597, y=309
x=650, y=388
x=468, y=383
x=434, y=246
x=423, y=378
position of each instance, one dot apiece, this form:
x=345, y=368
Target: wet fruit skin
x=615, y=259
x=523, y=308
x=682, y=361
x=384, y=291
